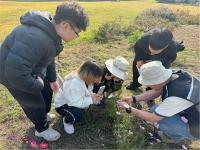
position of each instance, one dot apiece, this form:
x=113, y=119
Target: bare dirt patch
x=189, y=59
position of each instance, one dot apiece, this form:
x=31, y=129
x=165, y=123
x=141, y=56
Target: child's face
x=109, y=77
x=98, y=80
x=93, y=81
x=67, y=31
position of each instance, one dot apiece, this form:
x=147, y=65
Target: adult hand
x=139, y=64
x=54, y=86
x=122, y=105
x=128, y=100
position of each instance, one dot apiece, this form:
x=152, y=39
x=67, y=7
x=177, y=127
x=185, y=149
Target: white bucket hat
x=118, y=67
x=153, y=73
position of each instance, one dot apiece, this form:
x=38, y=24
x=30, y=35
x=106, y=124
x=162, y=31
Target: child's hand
x=96, y=98
x=100, y=95
x=54, y=86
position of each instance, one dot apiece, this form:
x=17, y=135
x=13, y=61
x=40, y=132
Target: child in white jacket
x=76, y=94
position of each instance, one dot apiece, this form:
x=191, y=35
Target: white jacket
x=74, y=93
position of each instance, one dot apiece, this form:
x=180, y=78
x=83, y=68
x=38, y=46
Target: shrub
x=146, y=23
x=152, y=18
x=134, y=37
x=161, y=12
x=109, y=31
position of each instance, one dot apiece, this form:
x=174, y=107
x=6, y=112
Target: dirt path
x=190, y=35
x=190, y=58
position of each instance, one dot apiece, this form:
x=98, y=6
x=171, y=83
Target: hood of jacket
x=42, y=20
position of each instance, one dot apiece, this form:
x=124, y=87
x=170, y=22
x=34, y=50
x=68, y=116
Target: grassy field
x=99, y=12
x=102, y=128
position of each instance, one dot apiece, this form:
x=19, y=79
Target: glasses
x=72, y=26
x=77, y=34
x=155, y=52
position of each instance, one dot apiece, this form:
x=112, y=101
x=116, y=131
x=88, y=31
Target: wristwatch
x=134, y=99
x=128, y=110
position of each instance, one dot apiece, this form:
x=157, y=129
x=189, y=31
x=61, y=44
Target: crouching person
x=115, y=72
x=76, y=94
x=178, y=114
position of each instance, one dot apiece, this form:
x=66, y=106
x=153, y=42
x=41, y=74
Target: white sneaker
x=50, y=117
x=68, y=127
x=49, y=134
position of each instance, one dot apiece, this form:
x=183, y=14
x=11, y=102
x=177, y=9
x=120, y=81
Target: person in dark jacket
x=27, y=55
x=156, y=44
x=177, y=116
x=115, y=72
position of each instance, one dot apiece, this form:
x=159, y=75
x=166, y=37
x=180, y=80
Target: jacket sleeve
x=140, y=48
x=51, y=72
x=23, y=56
x=76, y=95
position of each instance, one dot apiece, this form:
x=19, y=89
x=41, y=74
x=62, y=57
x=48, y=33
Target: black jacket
x=141, y=49
x=29, y=51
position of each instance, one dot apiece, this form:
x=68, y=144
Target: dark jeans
x=72, y=114
x=35, y=106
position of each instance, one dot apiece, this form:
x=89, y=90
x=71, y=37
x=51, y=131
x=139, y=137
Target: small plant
x=161, y=12
x=134, y=37
x=109, y=31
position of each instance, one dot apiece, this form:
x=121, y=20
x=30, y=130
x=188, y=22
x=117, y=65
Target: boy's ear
x=65, y=24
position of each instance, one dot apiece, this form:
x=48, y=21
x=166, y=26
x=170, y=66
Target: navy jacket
x=29, y=51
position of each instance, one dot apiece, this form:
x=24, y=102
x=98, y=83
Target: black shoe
x=133, y=86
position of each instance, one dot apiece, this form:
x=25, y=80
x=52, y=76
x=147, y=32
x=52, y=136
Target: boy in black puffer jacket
x=27, y=55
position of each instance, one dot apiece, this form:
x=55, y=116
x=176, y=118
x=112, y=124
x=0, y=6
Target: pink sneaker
x=68, y=127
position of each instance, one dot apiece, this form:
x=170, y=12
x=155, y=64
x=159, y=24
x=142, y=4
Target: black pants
x=135, y=72
x=35, y=106
x=72, y=114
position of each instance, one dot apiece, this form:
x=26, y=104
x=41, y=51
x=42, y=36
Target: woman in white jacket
x=76, y=94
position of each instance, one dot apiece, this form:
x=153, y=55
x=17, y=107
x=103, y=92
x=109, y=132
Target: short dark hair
x=160, y=38
x=72, y=12
x=89, y=71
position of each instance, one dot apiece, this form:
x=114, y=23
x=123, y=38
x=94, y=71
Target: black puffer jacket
x=28, y=51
